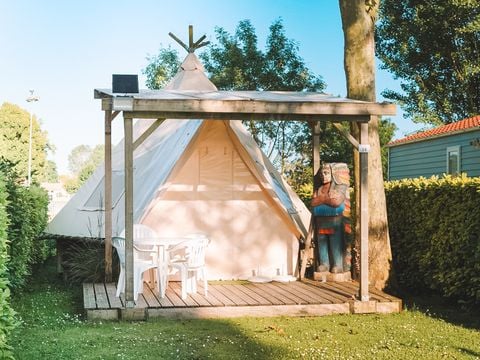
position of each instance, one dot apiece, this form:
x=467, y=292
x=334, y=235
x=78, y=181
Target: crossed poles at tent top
x=192, y=46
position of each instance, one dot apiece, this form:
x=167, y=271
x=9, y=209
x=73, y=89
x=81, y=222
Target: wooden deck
x=300, y=298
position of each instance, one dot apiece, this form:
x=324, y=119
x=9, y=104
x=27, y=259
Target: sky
x=66, y=49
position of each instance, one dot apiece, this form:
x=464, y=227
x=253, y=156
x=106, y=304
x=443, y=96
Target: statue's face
x=326, y=174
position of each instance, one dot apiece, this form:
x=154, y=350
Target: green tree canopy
x=161, y=68
x=82, y=162
x=434, y=48
x=14, y=142
x=83, y=156
x=235, y=62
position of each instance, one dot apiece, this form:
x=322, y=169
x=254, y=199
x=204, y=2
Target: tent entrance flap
x=215, y=192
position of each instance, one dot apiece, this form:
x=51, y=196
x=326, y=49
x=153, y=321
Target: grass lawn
x=52, y=327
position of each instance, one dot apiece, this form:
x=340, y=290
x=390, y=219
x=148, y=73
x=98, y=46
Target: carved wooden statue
x=331, y=209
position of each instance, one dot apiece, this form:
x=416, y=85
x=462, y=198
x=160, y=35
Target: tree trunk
x=358, y=22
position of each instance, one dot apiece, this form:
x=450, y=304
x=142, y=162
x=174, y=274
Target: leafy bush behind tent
x=435, y=234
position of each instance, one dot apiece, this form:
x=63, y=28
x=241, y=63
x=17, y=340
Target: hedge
x=27, y=209
x=434, y=232
x=7, y=321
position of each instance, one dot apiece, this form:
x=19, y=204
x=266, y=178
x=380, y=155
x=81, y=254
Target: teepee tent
x=204, y=176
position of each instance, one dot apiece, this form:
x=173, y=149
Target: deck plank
x=114, y=301
x=322, y=293
x=141, y=303
x=287, y=295
x=220, y=296
x=231, y=300
x=238, y=301
x=172, y=296
x=164, y=302
x=200, y=298
x=89, y=296
x=265, y=294
x=350, y=286
x=328, y=290
x=237, y=294
x=272, y=290
x=150, y=297
x=306, y=296
x=348, y=295
x=260, y=300
x=316, y=296
x=101, y=296
x=385, y=295
x=177, y=287
x=210, y=297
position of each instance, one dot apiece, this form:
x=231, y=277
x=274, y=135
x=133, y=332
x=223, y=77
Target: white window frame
x=451, y=149
x=115, y=199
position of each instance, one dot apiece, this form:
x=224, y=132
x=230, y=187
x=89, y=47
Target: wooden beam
x=346, y=135
x=306, y=251
x=234, y=116
x=316, y=166
x=108, y=196
x=205, y=43
x=245, y=102
x=115, y=114
x=59, y=246
x=191, y=49
x=147, y=133
x=316, y=130
x=128, y=126
x=182, y=44
x=363, y=149
x=195, y=45
x=200, y=103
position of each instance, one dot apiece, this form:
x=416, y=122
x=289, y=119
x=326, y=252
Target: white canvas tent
x=199, y=176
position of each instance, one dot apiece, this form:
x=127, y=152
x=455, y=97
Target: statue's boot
x=336, y=247
x=323, y=257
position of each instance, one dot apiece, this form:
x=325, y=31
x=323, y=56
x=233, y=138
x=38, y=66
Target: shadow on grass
x=434, y=305
x=53, y=308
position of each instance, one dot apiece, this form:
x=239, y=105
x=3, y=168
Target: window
x=453, y=160
x=95, y=201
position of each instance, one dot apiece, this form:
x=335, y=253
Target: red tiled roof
x=443, y=130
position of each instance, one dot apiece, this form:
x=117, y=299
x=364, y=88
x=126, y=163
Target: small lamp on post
x=30, y=99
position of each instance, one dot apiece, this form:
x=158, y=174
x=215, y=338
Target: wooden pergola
x=226, y=105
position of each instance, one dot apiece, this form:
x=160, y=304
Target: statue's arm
x=333, y=198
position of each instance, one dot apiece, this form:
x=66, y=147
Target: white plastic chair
x=143, y=260
x=190, y=263
x=141, y=231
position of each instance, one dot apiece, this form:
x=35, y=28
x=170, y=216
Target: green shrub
x=27, y=214
x=84, y=261
x=434, y=232
x=7, y=321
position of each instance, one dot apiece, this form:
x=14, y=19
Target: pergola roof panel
x=262, y=105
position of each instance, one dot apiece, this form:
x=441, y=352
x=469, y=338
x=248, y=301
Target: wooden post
x=316, y=146
x=316, y=166
x=108, y=196
x=190, y=39
x=363, y=150
x=128, y=125
x=59, y=244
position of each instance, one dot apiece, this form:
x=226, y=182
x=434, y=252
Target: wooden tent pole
x=316, y=165
x=346, y=135
x=128, y=126
x=147, y=133
x=363, y=149
x=108, y=196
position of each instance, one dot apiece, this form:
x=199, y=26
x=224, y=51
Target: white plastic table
x=162, y=244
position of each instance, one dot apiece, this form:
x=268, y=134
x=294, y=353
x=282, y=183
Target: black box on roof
x=125, y=84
